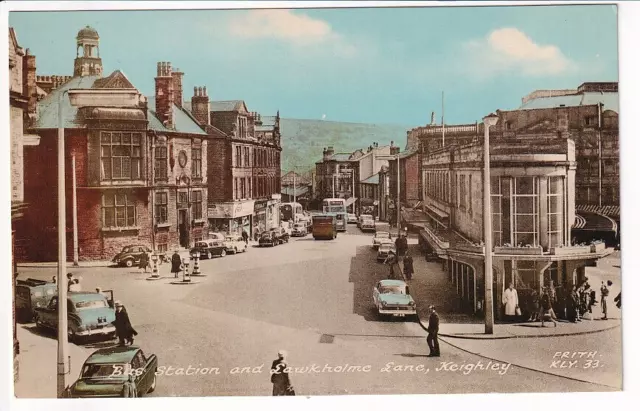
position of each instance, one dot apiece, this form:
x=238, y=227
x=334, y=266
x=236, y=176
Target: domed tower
x=89, y=63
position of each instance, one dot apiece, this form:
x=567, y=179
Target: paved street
x=313, y=299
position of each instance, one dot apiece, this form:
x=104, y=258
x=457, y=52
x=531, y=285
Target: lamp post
x=490, y=120
x=63, y=344
x=398, y=193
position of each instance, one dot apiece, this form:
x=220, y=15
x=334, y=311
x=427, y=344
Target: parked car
x=282, y=235
x=384, y=250
x=209, y=248
x=352, y=219
x=130, y=255
x=381, y=237
x=106, y=370
x=268, y=238
x=391, y=297
x=367, y=223
x=31, y=294
x=89, y=314
x=235, y=244
x=300, y=230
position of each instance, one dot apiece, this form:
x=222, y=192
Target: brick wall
x=164, y=94
x=219, y=172
x=17, y=157
x=225, y=121
x=410, y=179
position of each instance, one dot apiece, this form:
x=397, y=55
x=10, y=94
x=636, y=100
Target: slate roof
x=609, y=99
x=228, y=105
x=183, y=120
x=374, y=179
x=48, y=106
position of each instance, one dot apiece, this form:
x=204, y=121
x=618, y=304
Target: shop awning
x=350, y=201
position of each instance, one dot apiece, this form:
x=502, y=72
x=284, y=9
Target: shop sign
x=276, y=197
x=231, y=210
x=260, y=206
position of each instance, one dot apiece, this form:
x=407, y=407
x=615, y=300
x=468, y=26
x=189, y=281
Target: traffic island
x=183, y=282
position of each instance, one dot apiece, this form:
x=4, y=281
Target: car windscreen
x=382, y=234
x=103, y=370
x=87, y=305
x=392, y=289
x=201, y=245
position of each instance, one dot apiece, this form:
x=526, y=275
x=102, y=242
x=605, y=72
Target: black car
x=130, y=255
x=281, y=234
x=268, y=238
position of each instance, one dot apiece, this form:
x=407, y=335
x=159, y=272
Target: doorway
x=183, y=228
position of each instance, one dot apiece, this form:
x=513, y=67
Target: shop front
x=259, y=217
x=273, y=212
x=232, y=217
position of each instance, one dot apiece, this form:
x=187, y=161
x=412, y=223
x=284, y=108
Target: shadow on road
x=411, y=355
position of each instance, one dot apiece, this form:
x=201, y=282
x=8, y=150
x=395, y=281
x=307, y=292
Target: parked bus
x=323, y=227
x=338, y=207
x=291, y=211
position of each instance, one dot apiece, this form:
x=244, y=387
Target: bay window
x=121, y=155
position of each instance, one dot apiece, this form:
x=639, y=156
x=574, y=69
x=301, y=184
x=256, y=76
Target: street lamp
x=490, y=120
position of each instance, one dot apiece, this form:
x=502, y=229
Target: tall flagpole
x=443, y=119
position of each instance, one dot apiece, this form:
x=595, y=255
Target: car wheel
x=223, y=253
x=129, y=263
x=152, y=388
x=208, y=255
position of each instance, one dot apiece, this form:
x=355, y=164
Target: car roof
x=387, y=245
x=382, y=232
x=78, y=296
x=113, y=355
x=392, y=283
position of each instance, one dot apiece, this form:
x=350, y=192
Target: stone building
x=129, y=188
x=22, y=111
x=243, y=165
x=589, y=116
x=533, y=208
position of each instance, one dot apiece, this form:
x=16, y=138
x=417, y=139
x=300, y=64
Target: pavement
x=430, y=285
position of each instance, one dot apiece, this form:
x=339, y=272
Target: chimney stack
x=29, y=88
x=165, y=94
x=177, y=87
x=200, y=106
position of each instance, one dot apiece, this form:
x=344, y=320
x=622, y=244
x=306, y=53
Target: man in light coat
x=510, y=301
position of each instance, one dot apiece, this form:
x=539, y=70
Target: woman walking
x=546, y=310
x=176, y=263
x=124, y=329
x=144, y=262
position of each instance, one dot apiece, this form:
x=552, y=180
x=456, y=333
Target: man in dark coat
x=279, y=375
x=432, y=338
x=401, y=245
x=124, y=330
x=408, y=267
x=176, y=263
x=245, y=237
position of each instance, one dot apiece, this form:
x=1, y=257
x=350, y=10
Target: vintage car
x=391, y=297
x=89, y=314
x=381, y=237
x=105, y=371
x=367, y=223
x=268, y=238
x=31, y=294
x=352, y=219
x=235, y=244
x=209, y=248
x=281, y=234
x=384, y=250
x=130, y=255
x=300, y=230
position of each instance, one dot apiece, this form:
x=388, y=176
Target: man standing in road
x=245, y=237
x=432, y=338
x=408, y=267
x=604, y=293
x=401, y=245
x=176, y=263
x=279, y=375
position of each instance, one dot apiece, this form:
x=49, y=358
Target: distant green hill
x=303, y=140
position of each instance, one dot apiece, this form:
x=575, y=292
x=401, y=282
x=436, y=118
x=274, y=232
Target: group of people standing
x=400, y=256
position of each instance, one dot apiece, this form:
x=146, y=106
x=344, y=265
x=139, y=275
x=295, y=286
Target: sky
x=385, y=66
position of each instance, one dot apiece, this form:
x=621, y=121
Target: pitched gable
x=115, y=80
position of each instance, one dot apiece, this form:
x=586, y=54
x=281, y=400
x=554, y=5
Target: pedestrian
x=129, y=389
x=535, y=306
x=604, y=294
x=74, y=285
x=144, y=261
x=245, y=237
x=574, y=305
x=618, y=300
x=280, y=376
x=408, y=267
x=510, y=302
x=432, y=338
x=176, y=263
x=401, y=245
x=124, y=330
x=391, y=260
x=546, y=309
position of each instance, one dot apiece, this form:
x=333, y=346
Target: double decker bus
x=338, y=207
x=291, y=211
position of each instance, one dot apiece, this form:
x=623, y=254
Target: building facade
x=129, y=189
x=533, y=209
x=243, y=165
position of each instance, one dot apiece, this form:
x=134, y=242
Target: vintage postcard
x=315, y=201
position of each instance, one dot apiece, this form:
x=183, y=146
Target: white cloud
x=510, y=50
x=294, y=28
